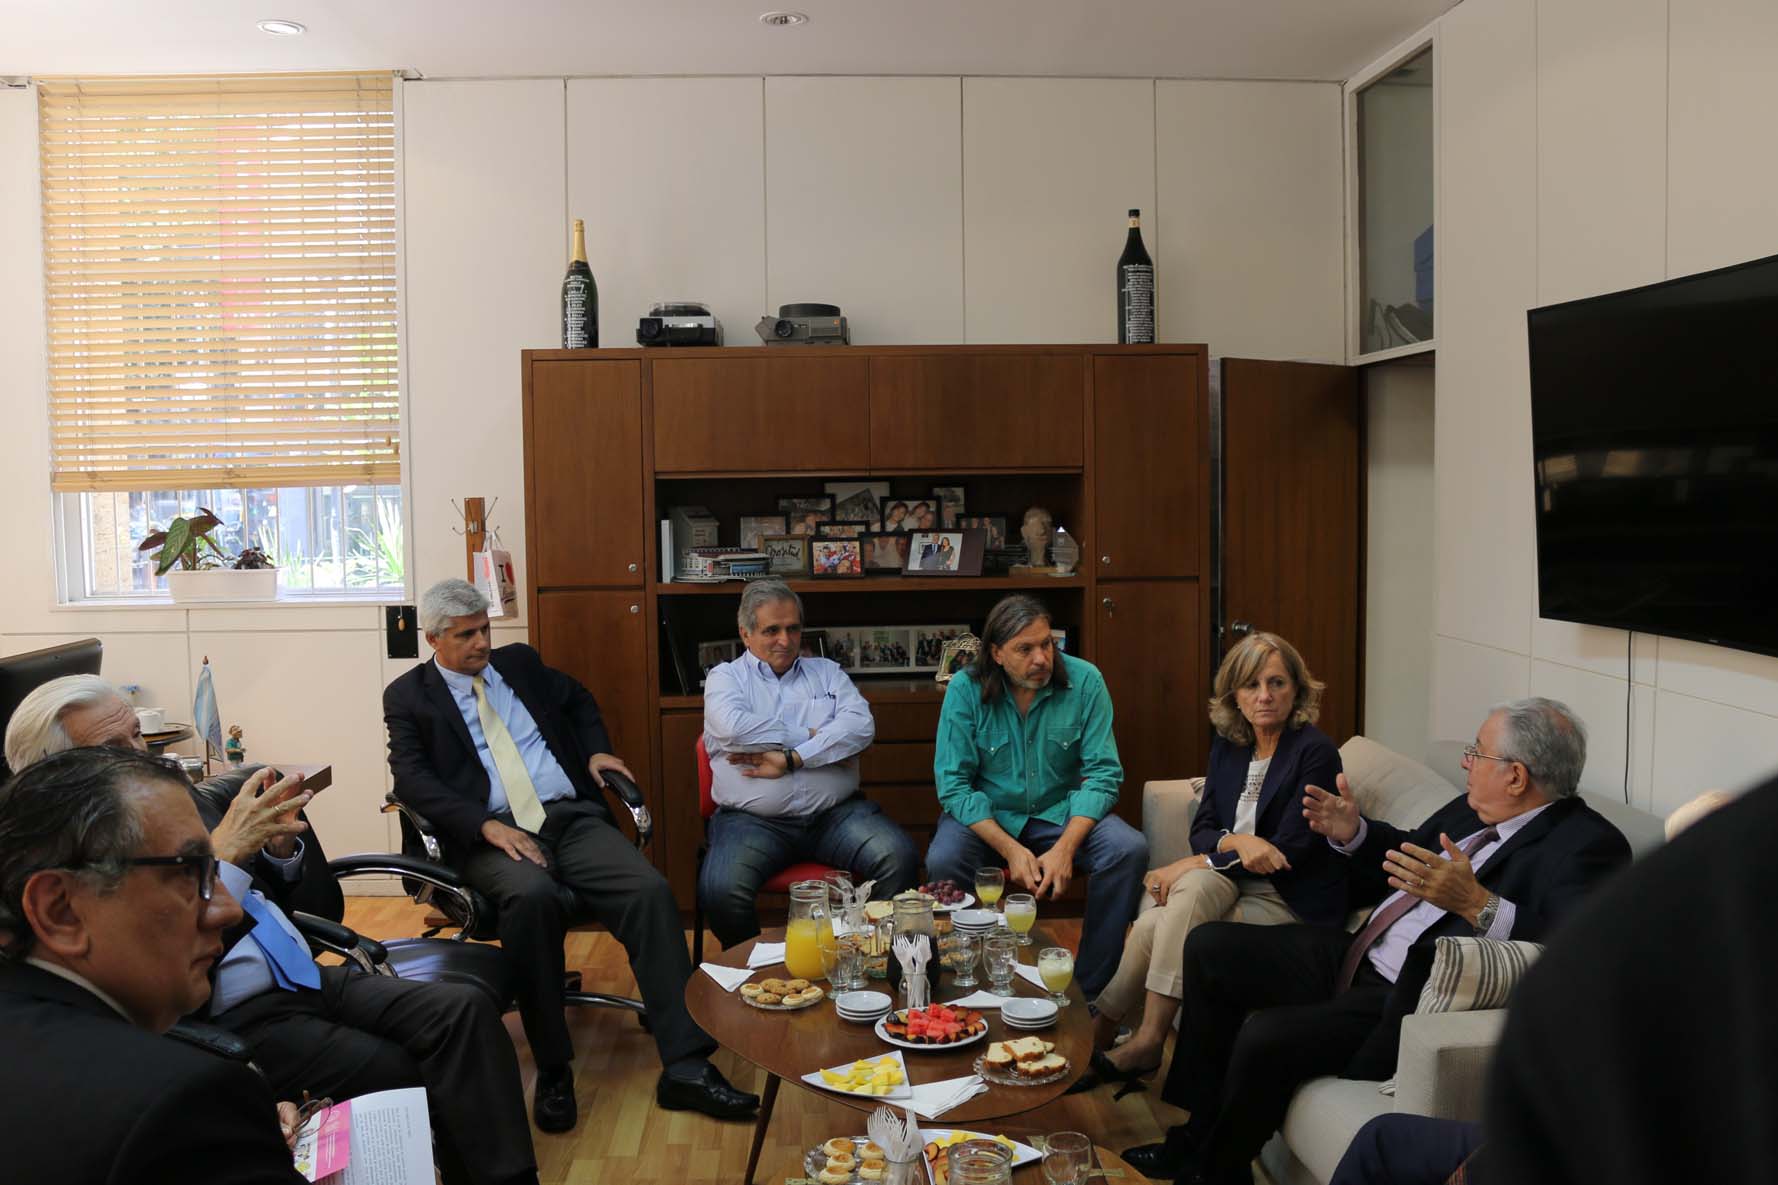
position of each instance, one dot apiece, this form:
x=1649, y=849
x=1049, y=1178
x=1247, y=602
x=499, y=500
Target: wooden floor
x=624, y=1137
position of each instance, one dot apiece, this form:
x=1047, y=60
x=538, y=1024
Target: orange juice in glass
x=808, y=927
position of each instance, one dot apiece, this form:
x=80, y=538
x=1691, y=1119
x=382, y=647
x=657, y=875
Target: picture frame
x=712, y=654
x=927, y=644
x=844, y=529
x=950, y=503
x=883, y=649
x=786, y=555
x=885, y=551
x=1060, y=638
x=923, y=515
x=842, y=647
x=946, y=553
x=855, y=500
x=814, y=644
x=755, y=527
x=957, y=654
x=803, y=513
x=994, y=524
x=831, y=559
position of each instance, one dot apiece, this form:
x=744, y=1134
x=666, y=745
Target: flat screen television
x=1654, y=429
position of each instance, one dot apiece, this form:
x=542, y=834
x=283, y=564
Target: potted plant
x=198, y=569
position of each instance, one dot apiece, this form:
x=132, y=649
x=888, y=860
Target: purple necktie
x=1394, y=911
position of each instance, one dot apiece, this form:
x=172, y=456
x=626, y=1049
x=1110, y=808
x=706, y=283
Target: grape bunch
x=944, y=892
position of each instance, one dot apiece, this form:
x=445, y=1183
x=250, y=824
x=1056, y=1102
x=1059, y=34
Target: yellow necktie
x=521, y=794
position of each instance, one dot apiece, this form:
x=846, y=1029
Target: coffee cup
x=152, y=719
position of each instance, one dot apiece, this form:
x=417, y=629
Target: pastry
x=811, y=994
x=768, y=998
x=998, y=1057
x=751, y=990
x=1040, y=1067
x=872, y=1170
x=796, y=985
x=834, y=1176
x=845, y=1163
x=1026, y=1049
x=871, y=1151
x=776, y=986
x=838, y=1146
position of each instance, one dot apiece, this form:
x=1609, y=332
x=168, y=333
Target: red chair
x=777, y=886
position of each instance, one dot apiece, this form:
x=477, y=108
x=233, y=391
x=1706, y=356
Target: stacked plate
x=865, y=1008
x=975, y=921
x=1023, y=1012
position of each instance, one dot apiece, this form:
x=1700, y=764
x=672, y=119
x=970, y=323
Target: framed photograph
x=858, y=500
x=835, y=557
x=994, y=524
x=1060, y=638
x=945, y=553
x=885, y=551
x=712, y=654
x=895, y=514
x=957, y=654
x=755, y=527
x=929, y=643
x=950, y=505
x=806, y=512
x=786, y=555
x=845, y=529
x=842, y=647
x=814, y=644
x=882, y=649
x=922, y=515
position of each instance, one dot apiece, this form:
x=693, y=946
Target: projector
x=804, y=325
x=679, y=323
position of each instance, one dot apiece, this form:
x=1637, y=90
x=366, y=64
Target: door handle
x=1109, y=605
x=632, y=567
x=1240, y=629
x=635, y=608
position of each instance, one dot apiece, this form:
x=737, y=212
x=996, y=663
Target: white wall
x=1399, y=584
x=933, y=209
x=1586, y=146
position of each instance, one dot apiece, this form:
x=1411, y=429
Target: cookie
x=796, y=985
x=768, y=998
x=751, y=990
x=838, y=1146
x=807, y=996
x=871, y=1151
x=845, y=1162
x=835, y=1176
x=873, y=1170
x=776, y=986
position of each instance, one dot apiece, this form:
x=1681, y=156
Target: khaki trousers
x=1154, y=952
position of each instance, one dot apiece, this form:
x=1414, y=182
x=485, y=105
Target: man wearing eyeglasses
x=1270, y=1007
x=113, y=922
x=326, y=1030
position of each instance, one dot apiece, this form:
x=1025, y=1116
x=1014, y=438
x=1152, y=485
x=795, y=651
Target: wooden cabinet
x=1150, y=452
x=806, y=410
x=1151, y=651
x=583, y=438
x=976, y=411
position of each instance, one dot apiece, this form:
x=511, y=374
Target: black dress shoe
x=1163, y=1161
x=552, y=1104
x=709, y=1092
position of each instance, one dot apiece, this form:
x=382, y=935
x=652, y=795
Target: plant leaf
x=178, y=542
x=153, y=540
x=204, y=523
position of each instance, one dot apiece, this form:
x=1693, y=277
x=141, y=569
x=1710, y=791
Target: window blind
x=219, y=258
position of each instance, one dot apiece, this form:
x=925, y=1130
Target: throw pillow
x=1470, y=974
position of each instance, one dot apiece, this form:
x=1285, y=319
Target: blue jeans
x=748, y=850
x=1114, y=856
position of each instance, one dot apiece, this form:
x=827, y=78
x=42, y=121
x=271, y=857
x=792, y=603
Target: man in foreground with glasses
x=1266, y=1008
x=326, y=1030
x=113, y=921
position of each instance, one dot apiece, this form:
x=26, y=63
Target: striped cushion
x=1469, y=974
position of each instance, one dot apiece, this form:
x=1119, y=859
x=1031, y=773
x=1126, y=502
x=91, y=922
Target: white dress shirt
x=1391, y=950
x=547, y=775
x=244, y=971
x=813, y=708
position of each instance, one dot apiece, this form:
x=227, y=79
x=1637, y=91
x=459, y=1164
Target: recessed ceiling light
x=784, y=19
x=283, y=28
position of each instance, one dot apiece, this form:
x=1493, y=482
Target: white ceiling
x=1307, y=39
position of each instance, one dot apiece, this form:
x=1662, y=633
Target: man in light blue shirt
x=784, y=731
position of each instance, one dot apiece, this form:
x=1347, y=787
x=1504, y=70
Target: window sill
x=284, y=600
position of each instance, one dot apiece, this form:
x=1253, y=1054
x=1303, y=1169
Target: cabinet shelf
x=878, y=584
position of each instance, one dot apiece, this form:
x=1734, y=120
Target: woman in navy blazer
x=1254, y=858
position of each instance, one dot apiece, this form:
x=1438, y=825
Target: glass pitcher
x=810, y=924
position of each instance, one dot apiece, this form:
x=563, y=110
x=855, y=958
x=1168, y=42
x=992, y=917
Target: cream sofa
x=1443, y=1058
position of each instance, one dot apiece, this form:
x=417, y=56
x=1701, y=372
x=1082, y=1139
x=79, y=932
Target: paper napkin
x=981, y=999
x=1030, y=975
x=729, y=977
x=766, y=954
x=933, y=1099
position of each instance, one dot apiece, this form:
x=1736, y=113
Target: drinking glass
x=1000, y=952
x=1055, y=965
x=1021, y=915
x=989, y=884
x=849, y=963
x=1067, y=1158
x=969, y=949
x=979, y=1162
x=828, y=945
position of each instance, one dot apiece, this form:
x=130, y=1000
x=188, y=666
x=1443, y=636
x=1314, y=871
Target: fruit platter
x=946, y=896
x=933, y=1027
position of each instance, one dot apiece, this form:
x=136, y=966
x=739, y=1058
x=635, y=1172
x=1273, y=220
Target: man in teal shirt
x=1027, y=774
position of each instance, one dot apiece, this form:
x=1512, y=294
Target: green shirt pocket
x=1062, y=748
x=994, y=749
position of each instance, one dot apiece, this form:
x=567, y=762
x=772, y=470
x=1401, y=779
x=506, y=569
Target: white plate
x=968, y=900
x=1028, y=1010
x=1022, y=1154
x=1006, y=1078
x=926, y=1048
x=904, y=1091
x=866, y=1019
x=978, y=919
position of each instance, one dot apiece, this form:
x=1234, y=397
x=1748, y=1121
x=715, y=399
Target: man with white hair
x=507, y=757
x=326, y=1030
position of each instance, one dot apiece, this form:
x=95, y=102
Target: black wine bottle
x=580, y=298
x=1135, y=287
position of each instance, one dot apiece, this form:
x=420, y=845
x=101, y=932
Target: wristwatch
x=1484, y=918
x=789, y=760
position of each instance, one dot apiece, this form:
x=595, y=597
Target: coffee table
x=787, y=1045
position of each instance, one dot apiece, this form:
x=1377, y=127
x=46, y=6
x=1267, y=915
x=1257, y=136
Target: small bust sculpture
x=1036, y=534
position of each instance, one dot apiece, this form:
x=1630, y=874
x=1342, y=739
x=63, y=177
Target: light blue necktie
x=292, y=966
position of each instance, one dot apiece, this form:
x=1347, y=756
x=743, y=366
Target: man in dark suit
x=1267, y=1008
x=506, y=757
x=113, y=920
x=331, y=1031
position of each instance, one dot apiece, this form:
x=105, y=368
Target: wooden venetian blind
x=219, y=256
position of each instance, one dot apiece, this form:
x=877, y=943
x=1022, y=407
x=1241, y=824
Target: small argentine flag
x=204, y=714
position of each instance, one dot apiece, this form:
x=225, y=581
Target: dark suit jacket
x=1315, y=884
x=1545, y=870
x=92, y=1100
x=433, y=757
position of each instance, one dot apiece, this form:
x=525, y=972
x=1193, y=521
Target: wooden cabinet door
x=976, y=411
x=1292, y=520
x=678, y=859
x=598, y=637
x=1150, y=651
x=583, y=449
x=1150, y=464
x=738, y=415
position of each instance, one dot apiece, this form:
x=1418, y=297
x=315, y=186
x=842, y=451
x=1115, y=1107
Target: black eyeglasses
x=202, y=867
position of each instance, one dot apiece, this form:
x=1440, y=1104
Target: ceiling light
x=783, y=20
x=283, y=28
